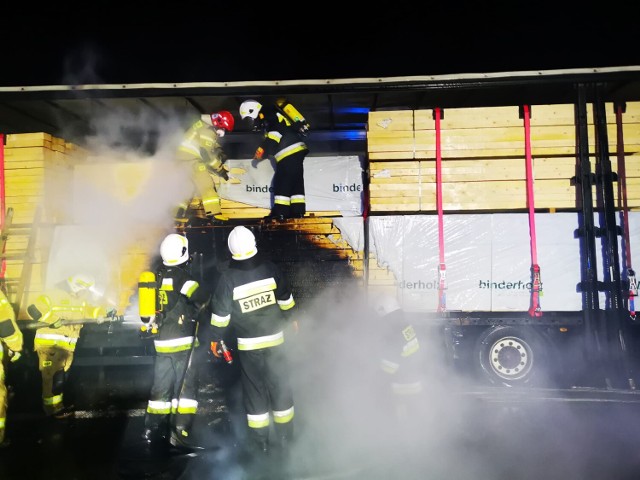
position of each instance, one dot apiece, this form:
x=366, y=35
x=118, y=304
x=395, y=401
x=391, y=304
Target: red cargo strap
x=624, y=213
x=442, y=268
x=536, y=284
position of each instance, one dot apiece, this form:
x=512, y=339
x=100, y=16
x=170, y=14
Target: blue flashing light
x=352, y=110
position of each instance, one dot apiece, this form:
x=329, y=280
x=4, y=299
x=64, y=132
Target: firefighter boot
x=274, y=218
x=258, y=444
x=64, y=413
x=284, y=434
x=217, y=219
x=155, y=434
x=181, y=218
x=179, y=439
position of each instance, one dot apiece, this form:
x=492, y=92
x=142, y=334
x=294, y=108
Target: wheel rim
x=511, y=358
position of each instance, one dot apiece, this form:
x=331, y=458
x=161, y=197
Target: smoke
x=346, y=426
x=118, y=201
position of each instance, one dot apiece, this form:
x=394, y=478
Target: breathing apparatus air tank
x=147, y=296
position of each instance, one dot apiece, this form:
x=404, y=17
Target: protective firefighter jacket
x=200, y=145
x=179, y=295
x=282, y=142
x=55, y=346
x=175, y=380
x=10, y=341
x=256, y=295
x=62, y=304
x=10, y=334
x=401, y=355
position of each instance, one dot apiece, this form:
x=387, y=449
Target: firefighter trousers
x=288, y=187
x=267, y=393
x=4, y=394
x=206, y=191
x=53, y=362
x=172, y=401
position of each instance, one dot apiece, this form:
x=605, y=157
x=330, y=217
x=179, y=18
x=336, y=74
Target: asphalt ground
x=346, y=427
x=466, y=433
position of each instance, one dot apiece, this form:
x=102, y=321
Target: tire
x=512, y=356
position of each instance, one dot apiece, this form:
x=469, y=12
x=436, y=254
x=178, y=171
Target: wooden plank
x=390, y=141
x=471, y=170
x=550, y=115
x=404, y=155
x=39, y=139
x=488, y=152
x=468, y=118
x=20, y=173
x=387, y=121
x=27, y=154
x=24, y=165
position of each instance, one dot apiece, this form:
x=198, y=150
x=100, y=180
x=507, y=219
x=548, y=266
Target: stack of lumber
x=38, y=170
x=483, y=158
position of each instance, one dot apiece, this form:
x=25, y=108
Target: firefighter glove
x=259, y=154
x=33, y=311
x=216, y=349
x=57, y=323
x=224, y=174
x=303, y=129
x=15, y=356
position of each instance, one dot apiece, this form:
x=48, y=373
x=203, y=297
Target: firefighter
x=172, y=402
x=72, y=299
x=253, y=297
x=10, y=351
x=284, y=141
x=200, y=145
x=400, y=359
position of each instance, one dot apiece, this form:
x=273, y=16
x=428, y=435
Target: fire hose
x=34, y=324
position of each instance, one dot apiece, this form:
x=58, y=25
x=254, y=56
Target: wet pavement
x=480, y=433
x=345, y=427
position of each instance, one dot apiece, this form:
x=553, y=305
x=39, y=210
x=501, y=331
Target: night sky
x=104, y=42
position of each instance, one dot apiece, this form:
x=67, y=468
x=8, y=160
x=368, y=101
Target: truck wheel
x=511, y=356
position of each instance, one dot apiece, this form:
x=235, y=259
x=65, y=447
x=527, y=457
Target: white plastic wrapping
x=331, y=184
x=488, y=259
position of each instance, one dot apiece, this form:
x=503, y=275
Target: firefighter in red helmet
x=200, y=145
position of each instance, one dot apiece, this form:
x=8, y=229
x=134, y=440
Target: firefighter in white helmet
x=73, y=299
x=10, y=351
x=173, y=404
x=201, y=146
x=283, y=141
x=254, y=298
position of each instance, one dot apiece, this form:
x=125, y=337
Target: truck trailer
x=500, y=209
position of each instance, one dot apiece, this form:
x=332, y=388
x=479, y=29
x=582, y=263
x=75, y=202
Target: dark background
x=146, y=42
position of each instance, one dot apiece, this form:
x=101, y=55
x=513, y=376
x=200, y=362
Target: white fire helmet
x=80, y=282
x=385, y=303
x=242, y=243
x=250, y=109
x=174, y=249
